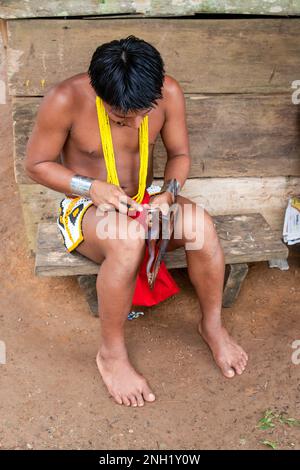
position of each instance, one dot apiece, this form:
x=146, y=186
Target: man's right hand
x=108, y=197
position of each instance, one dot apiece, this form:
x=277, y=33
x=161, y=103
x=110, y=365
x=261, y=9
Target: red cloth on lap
x=164, y=286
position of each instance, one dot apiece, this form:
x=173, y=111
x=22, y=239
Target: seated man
x=104, y=124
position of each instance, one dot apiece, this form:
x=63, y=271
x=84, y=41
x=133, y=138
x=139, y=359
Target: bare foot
x=229, y=356
x=124, y=384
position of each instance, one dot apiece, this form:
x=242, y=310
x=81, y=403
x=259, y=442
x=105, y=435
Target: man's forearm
x=53, y=175
x=178, y=167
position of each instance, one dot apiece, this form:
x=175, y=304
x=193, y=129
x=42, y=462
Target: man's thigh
x=104, y=232
x=190, y=224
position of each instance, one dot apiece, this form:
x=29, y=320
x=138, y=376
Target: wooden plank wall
x=229, y=135
x=46, y=8
x=236, y=75
x=206, y=56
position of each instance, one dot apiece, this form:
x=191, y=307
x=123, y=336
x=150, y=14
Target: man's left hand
x=161, y=203
x=163, y=200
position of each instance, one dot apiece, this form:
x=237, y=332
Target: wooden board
x=241, y=135
x=230, y=135
x=217, y=195
x=44, y=8
x=206, y=56
x=244, y=238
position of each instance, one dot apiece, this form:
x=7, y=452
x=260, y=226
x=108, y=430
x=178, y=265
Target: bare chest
x=85, y=137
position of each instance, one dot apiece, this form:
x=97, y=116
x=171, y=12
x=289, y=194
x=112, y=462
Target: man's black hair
x=127, y=74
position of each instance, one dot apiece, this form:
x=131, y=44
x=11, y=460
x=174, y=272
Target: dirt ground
x=51, y=395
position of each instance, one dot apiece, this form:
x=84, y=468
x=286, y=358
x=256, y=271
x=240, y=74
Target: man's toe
x=133, y=400
x=227, y=370
x=125, y=400
x=239, y=369
x=148, y=394
x=140, y=400
x=118, y=399
x=245, y=355
x=243, y=362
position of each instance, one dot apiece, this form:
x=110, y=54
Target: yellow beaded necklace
x=108, y=150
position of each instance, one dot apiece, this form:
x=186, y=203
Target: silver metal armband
x=81, y=185
x=171, y=186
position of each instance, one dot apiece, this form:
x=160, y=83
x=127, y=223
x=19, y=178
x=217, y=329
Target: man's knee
x=128, y=248
x=211, y=240
x=199, y=230
x=192, y=222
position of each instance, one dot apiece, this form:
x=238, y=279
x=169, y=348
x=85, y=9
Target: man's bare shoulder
x=62, y=100
x=173, y=97
x=171, y=89
x=67, y=93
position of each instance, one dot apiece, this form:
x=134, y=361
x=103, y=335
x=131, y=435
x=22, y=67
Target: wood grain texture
x=241, y=135
x=62, y=8
x=230, y=135
x=44, y=8
x=39, y=204
x=217, y=195
x=88, y=286
x=206, y=56
x=237, y=274
x=244, y=238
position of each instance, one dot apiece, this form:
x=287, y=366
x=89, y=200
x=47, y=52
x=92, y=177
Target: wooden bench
x=245, y=238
